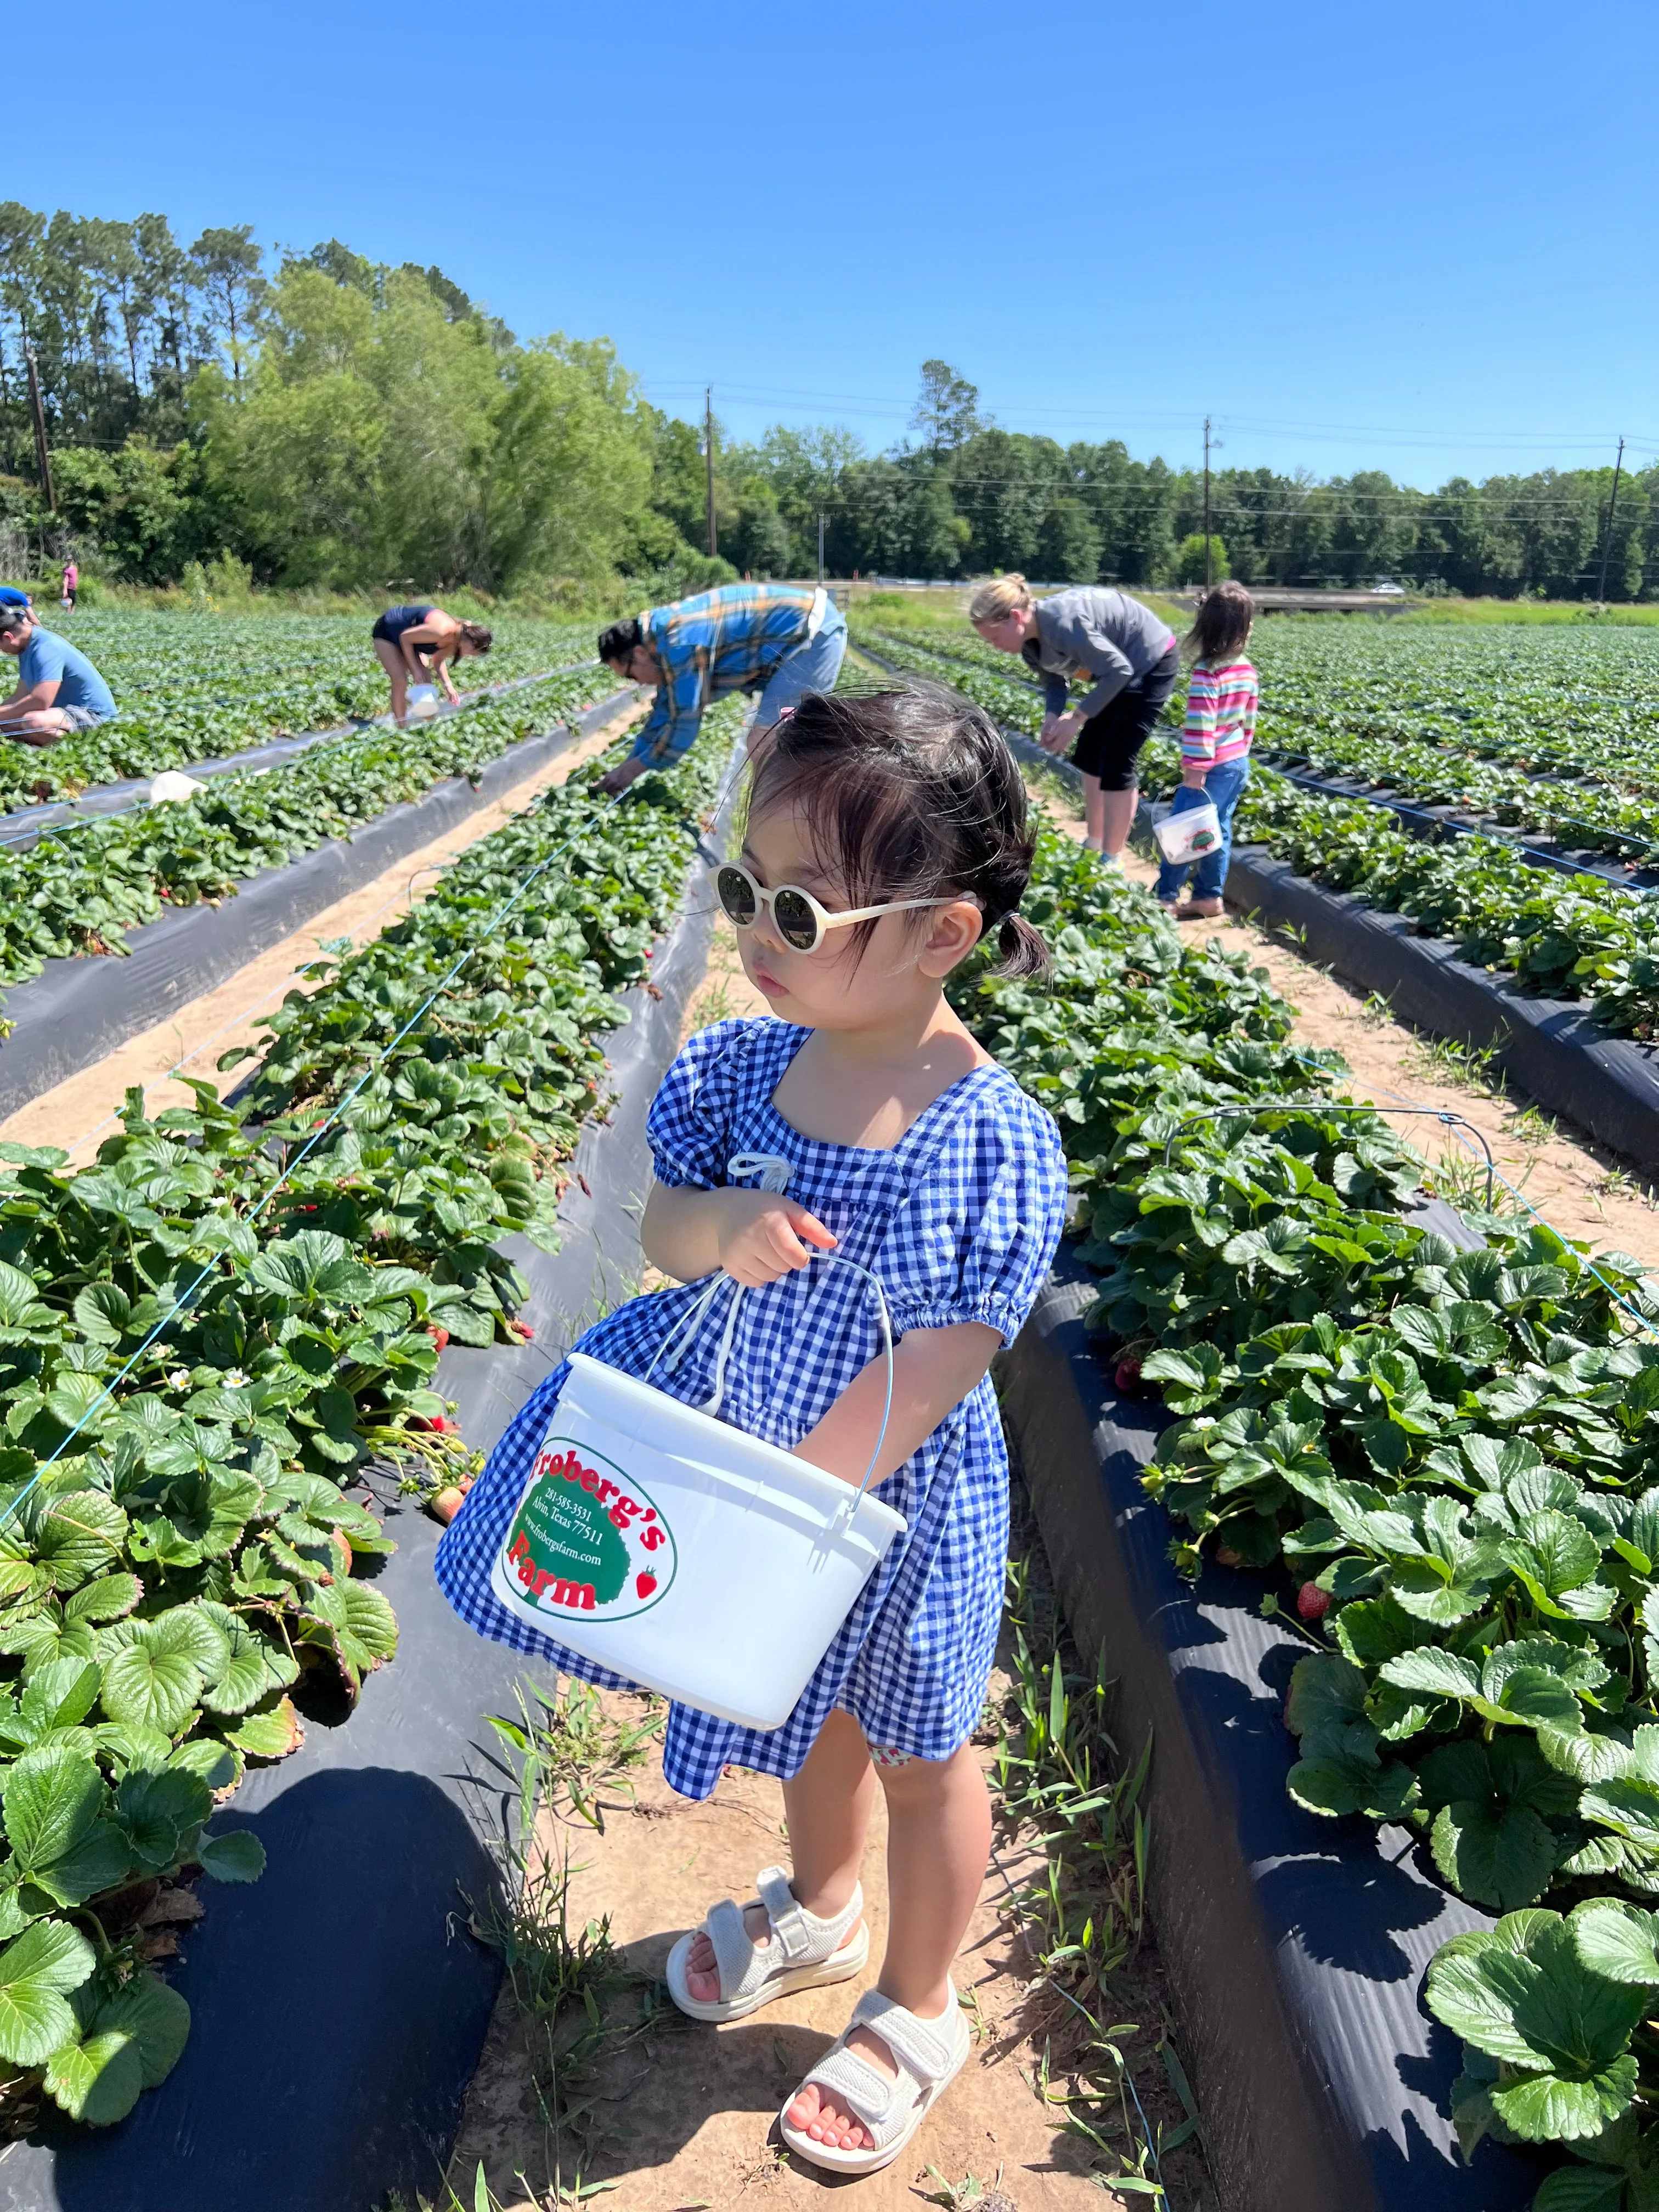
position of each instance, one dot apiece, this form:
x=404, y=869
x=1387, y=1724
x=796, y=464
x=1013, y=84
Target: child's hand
x=1193, y=778
x=762, y=1235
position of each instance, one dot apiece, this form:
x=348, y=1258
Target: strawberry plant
x=207, y=1334
x=1447, y=1461
x=191, y=688
x=79, y=892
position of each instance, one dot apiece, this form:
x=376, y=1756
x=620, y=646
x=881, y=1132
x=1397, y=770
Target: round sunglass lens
x=737, y=896
x=798, y=926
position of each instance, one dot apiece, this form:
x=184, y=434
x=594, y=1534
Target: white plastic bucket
x=682, y=1552
x=422, y=702
x=1189, y=834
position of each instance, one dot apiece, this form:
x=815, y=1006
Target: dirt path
x=79, y=1113
x=685, y=2114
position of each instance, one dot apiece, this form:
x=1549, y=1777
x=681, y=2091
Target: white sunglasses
x=798, y=919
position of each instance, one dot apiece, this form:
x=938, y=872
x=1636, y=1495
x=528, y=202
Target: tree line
x=963, y=496
x=337, y=422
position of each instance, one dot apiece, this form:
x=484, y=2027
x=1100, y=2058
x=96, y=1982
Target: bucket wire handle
x=774, y=1172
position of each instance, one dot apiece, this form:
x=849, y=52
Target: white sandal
x=802, y=1952
x=929, y=2054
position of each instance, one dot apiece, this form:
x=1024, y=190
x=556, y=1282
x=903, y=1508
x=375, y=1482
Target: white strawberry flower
x=234, y=1378
x=180, y=1379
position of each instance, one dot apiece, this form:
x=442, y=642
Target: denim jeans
x=812, y=666
x=1223, y=786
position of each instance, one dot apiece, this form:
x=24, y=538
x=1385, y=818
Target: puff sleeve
x=975, y=1242
x=689, y=1124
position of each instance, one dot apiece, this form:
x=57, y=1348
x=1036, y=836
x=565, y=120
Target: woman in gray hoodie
x=1130, y=662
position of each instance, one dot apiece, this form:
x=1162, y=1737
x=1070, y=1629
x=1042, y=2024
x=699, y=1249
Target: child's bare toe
x=824, y=2123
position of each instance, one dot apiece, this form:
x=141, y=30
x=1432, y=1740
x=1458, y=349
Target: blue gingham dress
x=959, y=1222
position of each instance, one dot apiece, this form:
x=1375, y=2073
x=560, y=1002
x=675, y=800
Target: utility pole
x=42, y=457
x=1207, y=578
x=708, y=463
x=1606, y=541
x=820, y=545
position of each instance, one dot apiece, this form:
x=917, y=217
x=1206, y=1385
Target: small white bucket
x=422, y=702
x=1189, y=834
x=682, y=1552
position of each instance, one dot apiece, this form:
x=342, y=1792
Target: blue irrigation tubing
x=316, y=1137
x=380, y=722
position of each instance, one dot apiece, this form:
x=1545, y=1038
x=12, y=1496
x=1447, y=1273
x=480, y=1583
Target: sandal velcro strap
x=791, y=1925
x=853, y=2083
x=798, y=1938
x=925, y=2052
x=926, y=2048
x=741, y=1966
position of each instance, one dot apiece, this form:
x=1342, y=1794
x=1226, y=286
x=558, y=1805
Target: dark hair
x=911, y=793
x=1222, y=623
x=616, y=643
x=13, y=618
x=478, y=637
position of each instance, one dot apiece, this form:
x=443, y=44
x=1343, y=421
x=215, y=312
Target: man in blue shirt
x=58, y=689
x=780, y=639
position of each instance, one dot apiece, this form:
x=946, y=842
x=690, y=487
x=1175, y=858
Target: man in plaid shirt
x=780, y=639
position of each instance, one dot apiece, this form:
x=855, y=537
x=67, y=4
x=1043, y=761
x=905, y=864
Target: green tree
x=227, y=266
x=1189, y=559
x=946, y=413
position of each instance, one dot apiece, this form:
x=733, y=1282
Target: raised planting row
x=77, y=892
x=1572, y=698
x=1450, y=1455
x=1566, y=937
x=1576, y=817
x=207, y=1333
x=197, y=687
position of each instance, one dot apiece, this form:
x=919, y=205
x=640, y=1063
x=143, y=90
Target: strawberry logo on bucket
x=586, y=1542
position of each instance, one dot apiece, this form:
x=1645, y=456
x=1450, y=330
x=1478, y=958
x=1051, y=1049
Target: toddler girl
x=1215, y=742
x=886, y=835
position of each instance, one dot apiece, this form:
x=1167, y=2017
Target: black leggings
x=1109, y=742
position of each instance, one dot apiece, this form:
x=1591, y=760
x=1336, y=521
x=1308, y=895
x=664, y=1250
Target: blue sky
x=1409, y=237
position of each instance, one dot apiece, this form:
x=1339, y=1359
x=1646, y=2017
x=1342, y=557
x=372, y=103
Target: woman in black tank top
x=417, y=642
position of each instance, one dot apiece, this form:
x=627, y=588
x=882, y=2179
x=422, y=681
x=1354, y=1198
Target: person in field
x=780, y=639
x=71, y=586
x=419, y=642
x=1215, y=744
x=58, y=689
x=887, y=836
x=1129, y=660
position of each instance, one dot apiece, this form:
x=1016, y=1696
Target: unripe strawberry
x=1312, y=1602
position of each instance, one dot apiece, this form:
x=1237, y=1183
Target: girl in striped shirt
x=1215, y=744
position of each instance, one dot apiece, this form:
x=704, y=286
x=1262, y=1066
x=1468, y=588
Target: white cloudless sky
x=1415, y=237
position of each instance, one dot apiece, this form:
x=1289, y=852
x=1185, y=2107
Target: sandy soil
x=79, y=1114
x=684, y=2116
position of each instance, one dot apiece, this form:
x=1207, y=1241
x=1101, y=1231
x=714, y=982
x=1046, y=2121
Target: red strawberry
x=645, y=1584
x=1128, y=1377
x=1226, y=1557
x=522, y=1330
x=439, y=1336
x=1312, y=1602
